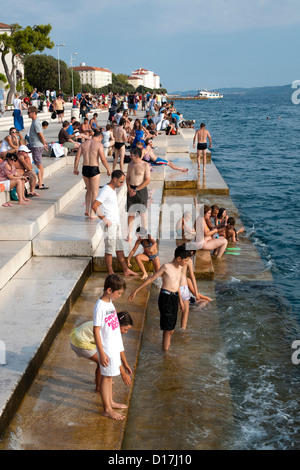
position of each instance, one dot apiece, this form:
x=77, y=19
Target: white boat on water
x=209, y=94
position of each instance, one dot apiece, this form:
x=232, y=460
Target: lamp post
x=71, y=65
x=58, y=65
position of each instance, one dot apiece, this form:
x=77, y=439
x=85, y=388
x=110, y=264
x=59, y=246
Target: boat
x=209, y=94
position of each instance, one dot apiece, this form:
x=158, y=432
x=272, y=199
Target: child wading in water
x=109, y=343
x=188, y=285
x=150, y=251
x=83, y=344
x=231, y=232
x=169, y=294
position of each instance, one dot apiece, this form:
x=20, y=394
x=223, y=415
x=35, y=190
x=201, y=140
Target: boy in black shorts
x=169, y=294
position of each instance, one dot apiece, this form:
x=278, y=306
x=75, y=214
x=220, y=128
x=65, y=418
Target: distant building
x=144, y=77
x=19, y=72
x=135, y=81
x=95, y=76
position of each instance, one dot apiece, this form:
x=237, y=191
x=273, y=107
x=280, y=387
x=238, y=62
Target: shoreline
x=162, y=185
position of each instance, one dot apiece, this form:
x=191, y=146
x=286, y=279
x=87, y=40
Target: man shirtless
x=137, y=179
x=169, y=294
x=202, y=135
x=92, y=152
x=120, y=136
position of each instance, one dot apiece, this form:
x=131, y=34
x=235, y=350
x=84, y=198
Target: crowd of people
x=100, y=340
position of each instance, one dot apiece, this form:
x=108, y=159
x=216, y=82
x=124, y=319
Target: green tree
x=41, y=71
x=22, y=42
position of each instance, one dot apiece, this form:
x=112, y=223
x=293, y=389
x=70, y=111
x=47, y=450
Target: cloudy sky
x=191, y=44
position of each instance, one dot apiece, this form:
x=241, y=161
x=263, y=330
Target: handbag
x=53, y=115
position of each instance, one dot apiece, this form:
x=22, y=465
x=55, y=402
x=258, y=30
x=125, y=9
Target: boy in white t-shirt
x=107, y=333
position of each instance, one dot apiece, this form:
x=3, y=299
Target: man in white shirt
x=107, y=209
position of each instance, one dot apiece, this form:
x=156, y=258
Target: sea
x=256, y=148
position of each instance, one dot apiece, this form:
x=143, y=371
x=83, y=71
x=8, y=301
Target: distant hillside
x=265, y=90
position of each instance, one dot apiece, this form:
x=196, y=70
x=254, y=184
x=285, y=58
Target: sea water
x=256, y=148
x=243, y=391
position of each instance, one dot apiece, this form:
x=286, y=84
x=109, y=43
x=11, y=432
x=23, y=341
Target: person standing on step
x=92, y=152
x=120, y=136
x=201, y=136
x=137, y=179
x=107, y=209
x=37, y=143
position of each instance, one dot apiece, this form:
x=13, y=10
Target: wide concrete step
x=34, y=305
x=71, y=233
x=176, y=143
x=14, y=255
x=8, y=121
x=61, y=409
x=25, y=222
x=175, y=179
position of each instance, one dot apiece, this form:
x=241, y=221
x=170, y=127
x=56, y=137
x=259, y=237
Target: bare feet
x=120, y=406
x=24, y=203
x=128, y=272
x=113, y=415
x=144, y=276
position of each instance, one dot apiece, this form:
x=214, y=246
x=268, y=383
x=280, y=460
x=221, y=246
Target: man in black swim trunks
x=201, y=136
x=92, y=152
x=120, y=136
x=137, y=179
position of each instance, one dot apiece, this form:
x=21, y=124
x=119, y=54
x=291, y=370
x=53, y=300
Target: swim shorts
x=185, y=292
x=168, y=308
x=90, y=171
x=160, y=161
x=138, y=202
x=119, y=145
x=201, y=146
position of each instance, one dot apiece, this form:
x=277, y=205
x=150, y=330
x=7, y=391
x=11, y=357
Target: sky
x=190, y=44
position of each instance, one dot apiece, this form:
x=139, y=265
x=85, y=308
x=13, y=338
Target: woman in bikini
x=150, y=251
x=204, y=238
x=149, y=156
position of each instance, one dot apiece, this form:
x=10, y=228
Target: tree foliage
x=22, y=42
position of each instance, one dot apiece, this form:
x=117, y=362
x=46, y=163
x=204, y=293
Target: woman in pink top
x=9, y=179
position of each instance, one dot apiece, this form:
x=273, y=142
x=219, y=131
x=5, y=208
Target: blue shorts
x=160, y=161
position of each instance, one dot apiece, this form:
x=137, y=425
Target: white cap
x=24, y=148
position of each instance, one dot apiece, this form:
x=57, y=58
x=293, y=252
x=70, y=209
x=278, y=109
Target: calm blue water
x=259, y=159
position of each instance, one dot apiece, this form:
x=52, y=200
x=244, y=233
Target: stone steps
x=70, y=233
x=34, y=306
x=25, y=222
x=37, y=292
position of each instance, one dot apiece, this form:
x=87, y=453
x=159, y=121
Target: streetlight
x=71, y=65
x=58, y=65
